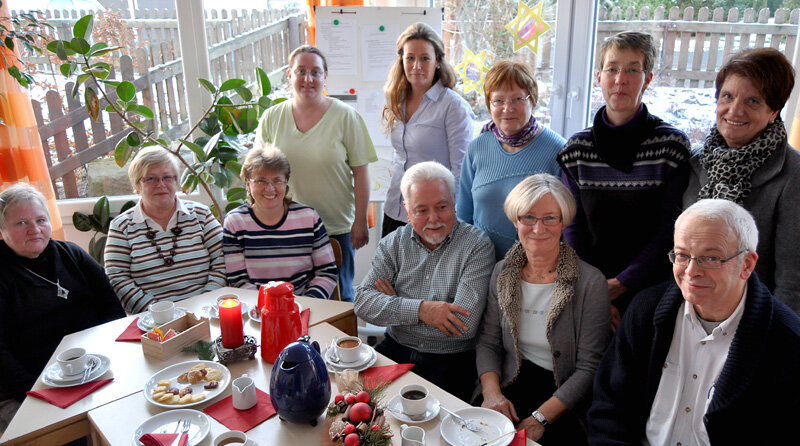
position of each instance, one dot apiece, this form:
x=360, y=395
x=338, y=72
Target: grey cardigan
x=578, y=325
x=774, y=203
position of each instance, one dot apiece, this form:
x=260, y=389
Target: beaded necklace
x=151, y=234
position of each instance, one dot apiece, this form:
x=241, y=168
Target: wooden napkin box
x=191, y=328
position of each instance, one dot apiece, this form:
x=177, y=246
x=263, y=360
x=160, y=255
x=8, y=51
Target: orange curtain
x=21, y=155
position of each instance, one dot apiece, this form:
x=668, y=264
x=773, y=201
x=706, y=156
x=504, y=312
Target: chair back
x=337, y=254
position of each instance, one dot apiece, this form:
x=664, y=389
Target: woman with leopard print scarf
x=747, y=159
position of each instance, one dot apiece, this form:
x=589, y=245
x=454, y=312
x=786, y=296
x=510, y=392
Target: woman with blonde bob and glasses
x=164, y=248
x=329, y=148
x=274, y=238
x=547, y=320
x=426, y=118
x=512, y=146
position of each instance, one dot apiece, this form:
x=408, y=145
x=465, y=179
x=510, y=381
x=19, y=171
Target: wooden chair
x=337, y=254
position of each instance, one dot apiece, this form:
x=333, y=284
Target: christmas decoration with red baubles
x=355, y=417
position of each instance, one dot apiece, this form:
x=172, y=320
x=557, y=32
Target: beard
x=434, y=239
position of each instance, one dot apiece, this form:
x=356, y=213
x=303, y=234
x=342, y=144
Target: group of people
x=507, y=262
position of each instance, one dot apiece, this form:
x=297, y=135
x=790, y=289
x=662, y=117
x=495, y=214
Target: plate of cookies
x=187, y=384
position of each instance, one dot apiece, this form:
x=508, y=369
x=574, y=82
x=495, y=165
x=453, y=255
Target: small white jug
x=244, y=392
x=412, y=435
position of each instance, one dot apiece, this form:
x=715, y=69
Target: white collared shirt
x=139, y=216
x=694, y=361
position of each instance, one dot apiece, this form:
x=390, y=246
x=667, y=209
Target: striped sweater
x=297, y=250
x=140, y=276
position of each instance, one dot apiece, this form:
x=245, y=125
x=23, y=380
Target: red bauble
x=360, y=412
x=352, y=440
x=338, y=398
x=349, y=429
x=376, y=427
x=350, y=398
x=362, y=396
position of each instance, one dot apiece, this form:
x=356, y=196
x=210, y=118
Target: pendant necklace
x=538, y=276
x=151, y=234
x=61, y=291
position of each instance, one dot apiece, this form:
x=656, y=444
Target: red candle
x=230, y=322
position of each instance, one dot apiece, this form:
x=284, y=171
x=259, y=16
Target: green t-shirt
x=321, y=158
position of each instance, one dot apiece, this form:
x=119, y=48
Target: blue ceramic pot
x=300, y=388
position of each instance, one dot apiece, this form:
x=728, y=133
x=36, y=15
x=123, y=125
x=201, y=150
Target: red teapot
x=280, y=319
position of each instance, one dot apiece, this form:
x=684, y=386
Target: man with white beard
x=428, y=284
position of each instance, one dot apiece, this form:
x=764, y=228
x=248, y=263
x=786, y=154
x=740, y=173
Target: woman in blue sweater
x=511, y=147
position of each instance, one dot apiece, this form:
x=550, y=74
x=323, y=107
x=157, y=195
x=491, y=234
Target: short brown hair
x=508, y=73
x=768, y=70
x=266, y=157
x=147, y=158
x=631, y=40
x=308, y=49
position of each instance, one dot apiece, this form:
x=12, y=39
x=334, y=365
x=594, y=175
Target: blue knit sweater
x=488, y=173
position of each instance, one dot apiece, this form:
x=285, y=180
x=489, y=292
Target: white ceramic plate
x=255, y=315
x=367, y=358
x=494, y=424
x=146, y=322
x=395, y=408
x=172, y=373
x=167, y=423
x=53, y=377
x=212, y=311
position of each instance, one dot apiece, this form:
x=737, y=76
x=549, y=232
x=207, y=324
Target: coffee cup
x=73, y=361
x=348, y=348
x=162, y=312
x=231, y=438
x=414, y=399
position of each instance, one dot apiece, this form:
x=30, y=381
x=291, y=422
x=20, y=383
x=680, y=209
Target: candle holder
x=243, y=352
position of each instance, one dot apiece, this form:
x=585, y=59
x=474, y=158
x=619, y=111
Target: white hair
x=530, y=190
x=427, y=171
x=20, y=193
x=735, y=216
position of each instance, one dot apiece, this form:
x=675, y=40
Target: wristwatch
x=540, y=418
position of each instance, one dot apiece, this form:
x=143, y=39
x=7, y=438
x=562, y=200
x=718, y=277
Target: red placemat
x=131, y=334
x=64, y=397
x=387, y=373
x=304, y=315
x=242, y=420
x=520, y=439
x=163, y=439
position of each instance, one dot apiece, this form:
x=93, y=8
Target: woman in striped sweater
x=274, y=238
x=163, y=248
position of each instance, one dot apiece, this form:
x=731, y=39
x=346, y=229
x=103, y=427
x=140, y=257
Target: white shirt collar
x=728, y=325
x=139, y=215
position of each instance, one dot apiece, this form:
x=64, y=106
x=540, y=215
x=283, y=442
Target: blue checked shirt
x=457, y=271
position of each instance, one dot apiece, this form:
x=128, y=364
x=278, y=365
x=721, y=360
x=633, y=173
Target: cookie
x=198, y=366
x=213, y=374
x=164, y=382
x=184, y=378
x=195, y=376
x=198, y=397
x=186, y=399
x=157, y=395
x=159, y=389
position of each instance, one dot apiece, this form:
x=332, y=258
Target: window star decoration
x=527, y=26
x=473, y=71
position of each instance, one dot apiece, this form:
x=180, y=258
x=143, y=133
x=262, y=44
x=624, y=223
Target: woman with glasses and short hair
x=274, y=238
x=547, y=320
x=164, y=248
x=328, y=146
x=512, y=146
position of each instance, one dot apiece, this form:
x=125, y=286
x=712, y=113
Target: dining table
x=41, y=423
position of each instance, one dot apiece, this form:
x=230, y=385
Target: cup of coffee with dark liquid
x=348, y=348
x=73, y=361
x=231, y=438
x=414, y=399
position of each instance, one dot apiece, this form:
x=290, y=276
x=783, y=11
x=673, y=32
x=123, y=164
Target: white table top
x=118, y=430
x=130, y=368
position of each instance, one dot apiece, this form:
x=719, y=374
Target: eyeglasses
x=515, y=102
x=152, y=181
x=277, y=184
x=705, y=262
x=614, y=71
x=301, y=72
x=530, y=220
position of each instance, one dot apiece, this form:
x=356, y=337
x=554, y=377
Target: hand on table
x=501, y=404
x=385, y=287
x=442, y=316
x=535, y=430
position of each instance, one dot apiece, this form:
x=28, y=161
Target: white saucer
x=167, y=422
x=395, y=407
x=146, y=322
x=493, y=425
x=212, y=312
x=255, y=315
x=54, y=377
x=367, y=357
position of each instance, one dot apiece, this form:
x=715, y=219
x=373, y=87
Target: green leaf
x=68, y=69
x=207, y=85
x=141, y=110
x=83, y=27
x=234, y=167
x=97, y=249
x=79, y=45
x=211, y=144
x=236, y=194
x=220, y=179
x=102, y=211
x=92, y=103
x=97, y=47
x=126, y=91
x=203, y=350
x=9, y=43
x=210, y=125
x=122, y=153
x=244, y=93
x=134, y=140
x=128, y=204
x=61, y=50
x=279, y=100
x=81, y=222
x=263, y=82
x=112, y=83
x=196, y=148
x=232, y=205
x=230, y=84
x=264, y=102
x=248, y=121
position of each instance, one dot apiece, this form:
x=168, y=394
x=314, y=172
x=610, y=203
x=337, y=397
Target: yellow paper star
x=473, y=71
x=527, y=26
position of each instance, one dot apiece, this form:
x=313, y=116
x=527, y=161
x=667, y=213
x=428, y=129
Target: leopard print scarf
x=731, y=170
